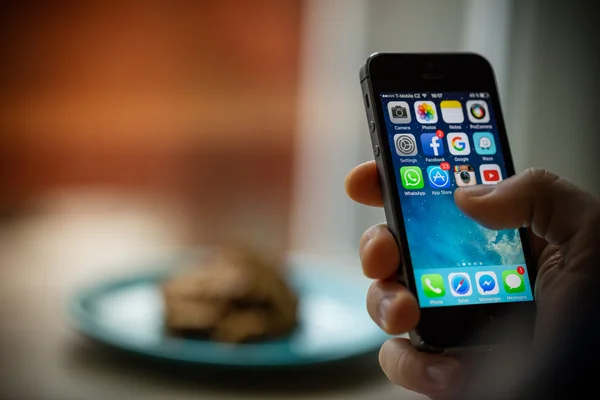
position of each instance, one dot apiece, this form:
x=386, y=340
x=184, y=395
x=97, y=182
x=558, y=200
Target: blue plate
x=334, y=324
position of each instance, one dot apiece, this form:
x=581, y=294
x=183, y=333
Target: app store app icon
x=438, y=178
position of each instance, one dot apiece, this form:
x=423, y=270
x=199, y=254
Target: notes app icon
x=452, y=112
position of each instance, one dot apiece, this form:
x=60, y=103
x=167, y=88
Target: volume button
x=371, y=126
x=376, y=150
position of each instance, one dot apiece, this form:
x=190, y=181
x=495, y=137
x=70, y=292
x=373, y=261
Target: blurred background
x=133, y=129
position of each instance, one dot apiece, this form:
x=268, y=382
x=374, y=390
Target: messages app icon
x=513, y=281
x=412, y=178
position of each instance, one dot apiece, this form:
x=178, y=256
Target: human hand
x=563, y=222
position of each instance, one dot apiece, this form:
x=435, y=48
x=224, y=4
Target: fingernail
x=477, y=190
x=441, y=374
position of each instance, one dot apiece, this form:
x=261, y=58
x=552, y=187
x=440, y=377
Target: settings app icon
x=406, y=144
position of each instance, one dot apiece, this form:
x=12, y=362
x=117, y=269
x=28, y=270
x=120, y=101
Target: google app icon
x=458, y=143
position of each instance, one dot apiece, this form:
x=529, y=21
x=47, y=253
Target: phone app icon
x=426, y=112
x=438, y=178
x=487, y=283
x=478, y=112
x=484, y=143
x=433, y=285
x=513, y=281
x=464, y=175
x=406, y=144
x=432, y=144
x=490, y=174
x=460, y=284
x=458, y=143
x=412, y=178
x=399, y=112
x=452, y=111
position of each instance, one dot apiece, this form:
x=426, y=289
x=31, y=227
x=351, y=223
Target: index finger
x=362, y=185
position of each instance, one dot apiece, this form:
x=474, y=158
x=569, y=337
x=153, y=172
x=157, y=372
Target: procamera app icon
x=478, y=112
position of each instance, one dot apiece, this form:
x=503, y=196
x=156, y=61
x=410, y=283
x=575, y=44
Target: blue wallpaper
x=440, y=237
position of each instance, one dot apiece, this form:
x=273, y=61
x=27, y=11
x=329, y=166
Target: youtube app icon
x=490, y=174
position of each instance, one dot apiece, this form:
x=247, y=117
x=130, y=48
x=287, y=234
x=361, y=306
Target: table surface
x=70, y=240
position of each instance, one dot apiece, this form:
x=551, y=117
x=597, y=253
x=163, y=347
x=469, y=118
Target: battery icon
x=483, y=95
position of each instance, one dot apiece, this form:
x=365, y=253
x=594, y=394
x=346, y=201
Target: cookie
x=236, y=295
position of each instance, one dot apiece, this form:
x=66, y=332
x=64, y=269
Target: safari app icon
x=460, y=284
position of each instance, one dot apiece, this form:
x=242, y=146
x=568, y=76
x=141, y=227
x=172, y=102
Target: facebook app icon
x=432, y=145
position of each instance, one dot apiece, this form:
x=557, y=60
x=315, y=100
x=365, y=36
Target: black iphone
x=436, y=125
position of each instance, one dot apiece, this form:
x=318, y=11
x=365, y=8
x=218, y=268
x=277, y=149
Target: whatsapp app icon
x=412, y=178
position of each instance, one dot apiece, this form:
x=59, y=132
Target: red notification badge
x=520, y=270
x=445, y=166
x=439, y=133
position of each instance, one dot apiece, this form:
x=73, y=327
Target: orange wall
x=194, y=98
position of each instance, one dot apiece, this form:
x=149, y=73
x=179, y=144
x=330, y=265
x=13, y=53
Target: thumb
x=554, y=208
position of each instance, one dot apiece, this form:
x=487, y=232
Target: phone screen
x=438, y=142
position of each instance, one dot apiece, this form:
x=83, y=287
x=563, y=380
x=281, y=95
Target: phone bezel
x=450, y=326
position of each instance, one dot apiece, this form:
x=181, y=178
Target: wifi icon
x=424, y=95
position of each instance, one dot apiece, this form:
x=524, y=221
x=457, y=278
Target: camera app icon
x=464, y=175
x=399, y=112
